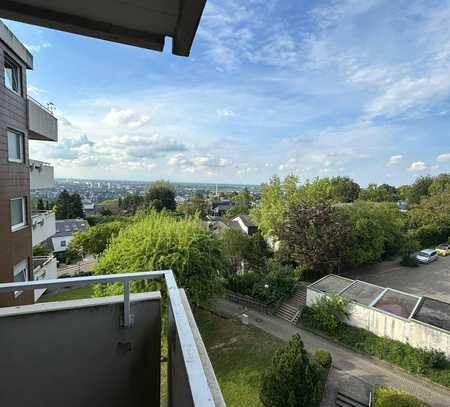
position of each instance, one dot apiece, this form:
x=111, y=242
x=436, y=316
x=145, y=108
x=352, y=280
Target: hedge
x=389, y=397
x=431, y=364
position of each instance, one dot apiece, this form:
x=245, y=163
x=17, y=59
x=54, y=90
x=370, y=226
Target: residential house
x=65, y=231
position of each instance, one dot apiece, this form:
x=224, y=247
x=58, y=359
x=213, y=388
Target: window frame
x=24, y=223
x=63, y=243
x=22, y=266
x=21, y=145
x=15, y=68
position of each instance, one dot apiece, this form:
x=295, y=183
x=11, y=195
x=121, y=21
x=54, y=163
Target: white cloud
x=207, y=164
x=418, y=166
x=443, y=158
x=125, y=117
x=225, y=113
x=35, y=91
x=35, y=48
x=395, y=159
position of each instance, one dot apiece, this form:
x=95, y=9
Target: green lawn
x=71, y=294
x=239, y=355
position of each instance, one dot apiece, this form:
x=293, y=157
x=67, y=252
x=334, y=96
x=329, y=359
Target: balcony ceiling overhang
x=142, y=23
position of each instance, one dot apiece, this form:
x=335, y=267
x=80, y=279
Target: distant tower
x=217, y=189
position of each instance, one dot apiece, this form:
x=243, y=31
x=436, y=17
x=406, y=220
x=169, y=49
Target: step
x=345, y=400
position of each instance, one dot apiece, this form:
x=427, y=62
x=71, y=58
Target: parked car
x=443, y=249
x=426, y=256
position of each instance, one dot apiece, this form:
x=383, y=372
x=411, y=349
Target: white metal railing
x=200, y=390
x=38, y=164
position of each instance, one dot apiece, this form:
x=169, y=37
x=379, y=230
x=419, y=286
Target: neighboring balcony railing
x=43, y=226
x=42, y=124
x=42, y=175
x=44, y=268
x=103, y=351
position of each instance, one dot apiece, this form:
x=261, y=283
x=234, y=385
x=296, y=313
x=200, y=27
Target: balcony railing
x=42, y=124
x=111, y=342
x=42, y=175
x=43, y=226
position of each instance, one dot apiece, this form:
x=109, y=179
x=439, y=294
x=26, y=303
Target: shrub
x=409, y=261
x=329, y=312
x=158, y=241
x=41, y=250
x=291, y=380
x=390, y=397
x=323, y=358
x=243, y=283
x=435, y=359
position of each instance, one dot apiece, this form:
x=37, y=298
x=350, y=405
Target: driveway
x=431, y=280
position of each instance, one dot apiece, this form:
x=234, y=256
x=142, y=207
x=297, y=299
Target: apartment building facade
x=21, y=119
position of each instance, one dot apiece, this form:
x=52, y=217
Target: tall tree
x=196, y=205
x=419, y=189
x=317, y=233
x=62, y=206
x=379, y=193
x=76, y=206
x=160, y=195
x=40, y=205
x=344, y=189
x=440, y=184
x=292, y=380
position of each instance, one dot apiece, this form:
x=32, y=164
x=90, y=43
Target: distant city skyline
x=341, y=87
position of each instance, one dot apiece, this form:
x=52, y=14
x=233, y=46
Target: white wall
x=47, y=271
x=43, y=226
x=417, y=334
x=41, y=175
x=57, y=243
x=42, y=125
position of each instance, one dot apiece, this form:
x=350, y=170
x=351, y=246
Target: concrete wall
x=57, y=243
x=48, y=271
x=42, y=125
x=43, y=226
x=417, y=334
x=42, y=175
x=76, y=353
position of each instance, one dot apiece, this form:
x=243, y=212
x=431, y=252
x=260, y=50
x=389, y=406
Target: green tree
x=160, y=195
x=317, y=234
x=95, y=239
x=159, y=241
x=276, y=196
x=344, y=189
x=329, y=313
x=419, y=189
x=377, y=232
x=440, y=184
x=62, y=206
x=379, y=193
x=196, y=205
x=291, y=380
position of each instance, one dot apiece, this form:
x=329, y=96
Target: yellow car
x=443, y=249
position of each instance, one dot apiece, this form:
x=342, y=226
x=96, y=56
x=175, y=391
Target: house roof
x=15, y=45
x=67, y=227
x=141, y=23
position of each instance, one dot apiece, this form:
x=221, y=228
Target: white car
x=426, y=256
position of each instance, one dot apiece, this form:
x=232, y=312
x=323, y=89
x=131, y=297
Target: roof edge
x=15, y=45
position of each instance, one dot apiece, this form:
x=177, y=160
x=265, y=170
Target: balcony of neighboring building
x=105, y=351
x=42, y=175
x=43, y=226
x=44, y=268
x=42, y=124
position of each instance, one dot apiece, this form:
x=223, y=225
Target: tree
x=344, y=189
x=419, y=189
x=40, y=205
x=196, y=205
x=131, y=202
x=160, y=195
x=275, y=199
x=317, y=233
x=440, y=184
x=291, y=380
x=159, y=241
x=379, y=193
x=68, y=206
x=376, y=230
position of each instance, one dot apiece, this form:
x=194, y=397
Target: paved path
x=343, y=359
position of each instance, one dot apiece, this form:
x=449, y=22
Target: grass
x=70, y=294
x=239, y=355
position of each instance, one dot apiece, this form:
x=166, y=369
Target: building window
x=20, y=274
x=18, y=213
x=63, y=243
x=12, y=75
x=15, y=146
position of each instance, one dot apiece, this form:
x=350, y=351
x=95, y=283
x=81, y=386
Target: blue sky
x=315, y=88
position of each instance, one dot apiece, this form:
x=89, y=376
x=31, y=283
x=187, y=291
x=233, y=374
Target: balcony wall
x=75, y=353
x=44, y=268
x=43, y=226
x=42, y=175
x=42, y=125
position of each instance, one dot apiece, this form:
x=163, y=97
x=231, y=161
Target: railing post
x=127, y=317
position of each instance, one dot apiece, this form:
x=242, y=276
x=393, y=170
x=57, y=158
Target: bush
x=41, y=250
x=159, y=241
x=409, y=261
x=291, y=380
x=323, y=358
x=243, y=283
x=389, y=397
x=329, y=312
x=432, y=364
